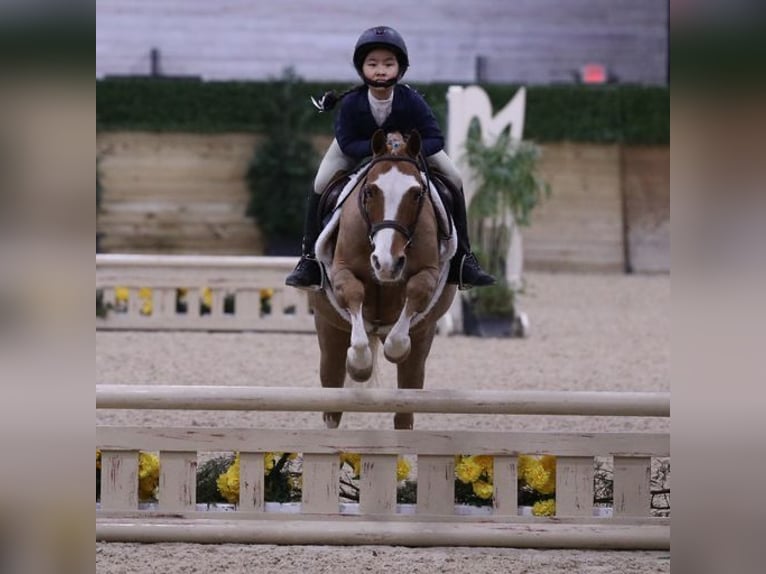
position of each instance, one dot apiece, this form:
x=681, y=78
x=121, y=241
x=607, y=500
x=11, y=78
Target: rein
x=373, y=228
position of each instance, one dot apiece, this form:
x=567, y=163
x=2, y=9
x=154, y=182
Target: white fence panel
x=322, y=519
x=199, y=292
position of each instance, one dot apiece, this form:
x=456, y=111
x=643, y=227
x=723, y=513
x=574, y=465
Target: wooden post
x=574, y=486
x=251, y=481
x=134, y=303
x=505, y=475
x=193, y=301
x=248, y=306
x=631, y=486
x=321, y=483
x=178, y=480
x=377, y=486
x=436, y=484
x=167, y=304
x=119, y=480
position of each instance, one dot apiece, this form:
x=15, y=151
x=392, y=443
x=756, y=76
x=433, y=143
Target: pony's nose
x=376, y=262
x=399, y=265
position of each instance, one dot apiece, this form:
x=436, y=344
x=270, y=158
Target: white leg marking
x=359, y=355
x=397, y=345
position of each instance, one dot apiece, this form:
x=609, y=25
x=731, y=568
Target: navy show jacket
x=355, y=124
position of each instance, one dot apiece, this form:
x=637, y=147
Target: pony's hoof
x=358, y=375
x=332, y=420
x=397, y=351
x=359, y=364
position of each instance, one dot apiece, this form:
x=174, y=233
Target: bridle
x=373, y=228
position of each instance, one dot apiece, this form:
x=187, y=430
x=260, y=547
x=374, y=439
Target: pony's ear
x=378, y=143
x=413, y=144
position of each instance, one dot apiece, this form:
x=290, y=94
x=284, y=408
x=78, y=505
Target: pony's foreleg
x=420, y=290
x=350, y=294
x=332, y=369
x=359, y=354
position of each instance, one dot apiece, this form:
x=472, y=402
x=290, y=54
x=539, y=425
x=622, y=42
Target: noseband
x=373, y=228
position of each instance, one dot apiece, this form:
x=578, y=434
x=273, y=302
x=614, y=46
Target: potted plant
x=507, y=191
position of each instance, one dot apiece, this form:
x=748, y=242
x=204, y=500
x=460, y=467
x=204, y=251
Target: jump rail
x=232, y=398
x=237, y=285
x=321, y=521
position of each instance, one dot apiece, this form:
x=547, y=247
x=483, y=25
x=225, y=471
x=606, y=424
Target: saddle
x=329, y=198
x=328, y=201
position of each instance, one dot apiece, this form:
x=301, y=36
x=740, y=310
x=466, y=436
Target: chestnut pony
x=386, y=269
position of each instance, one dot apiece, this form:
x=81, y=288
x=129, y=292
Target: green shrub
x=283, y=166
x=609, y=114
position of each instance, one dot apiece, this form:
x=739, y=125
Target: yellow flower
x=270, y=460
x=487, y=464
x=536, y=476
x=354, y=460
x=538, y=473
x=548, y=462
x=121, y=294
x=544, y=507
x=228, y=482
x=148, y=475
x=266, y=293
x=483, y=489
x=145, y=295
x=467, y=470
x=402, y=469
x=207, y=297
x=524, y=462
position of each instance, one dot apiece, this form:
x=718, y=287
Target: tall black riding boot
x=307, y=273
x=465, y=270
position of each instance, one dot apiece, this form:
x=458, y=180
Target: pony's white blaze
x=394, y=185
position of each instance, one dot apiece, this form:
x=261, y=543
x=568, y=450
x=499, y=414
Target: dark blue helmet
x=381, y=37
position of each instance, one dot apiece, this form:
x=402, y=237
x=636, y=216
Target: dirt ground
x=588, y=332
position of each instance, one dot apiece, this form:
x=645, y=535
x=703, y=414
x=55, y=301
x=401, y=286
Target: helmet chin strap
x=377, y=84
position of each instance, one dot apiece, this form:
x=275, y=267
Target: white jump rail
x=234, y=398
x=320, y=520
x=240, y=278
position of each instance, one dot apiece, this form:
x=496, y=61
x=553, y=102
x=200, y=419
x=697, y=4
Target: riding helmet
x=381, y=37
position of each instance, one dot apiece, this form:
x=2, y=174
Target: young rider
x=380, y=59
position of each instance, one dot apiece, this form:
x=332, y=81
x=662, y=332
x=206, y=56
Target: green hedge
x=629, y=114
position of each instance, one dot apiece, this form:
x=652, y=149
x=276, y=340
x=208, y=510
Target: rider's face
x=380, y=65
